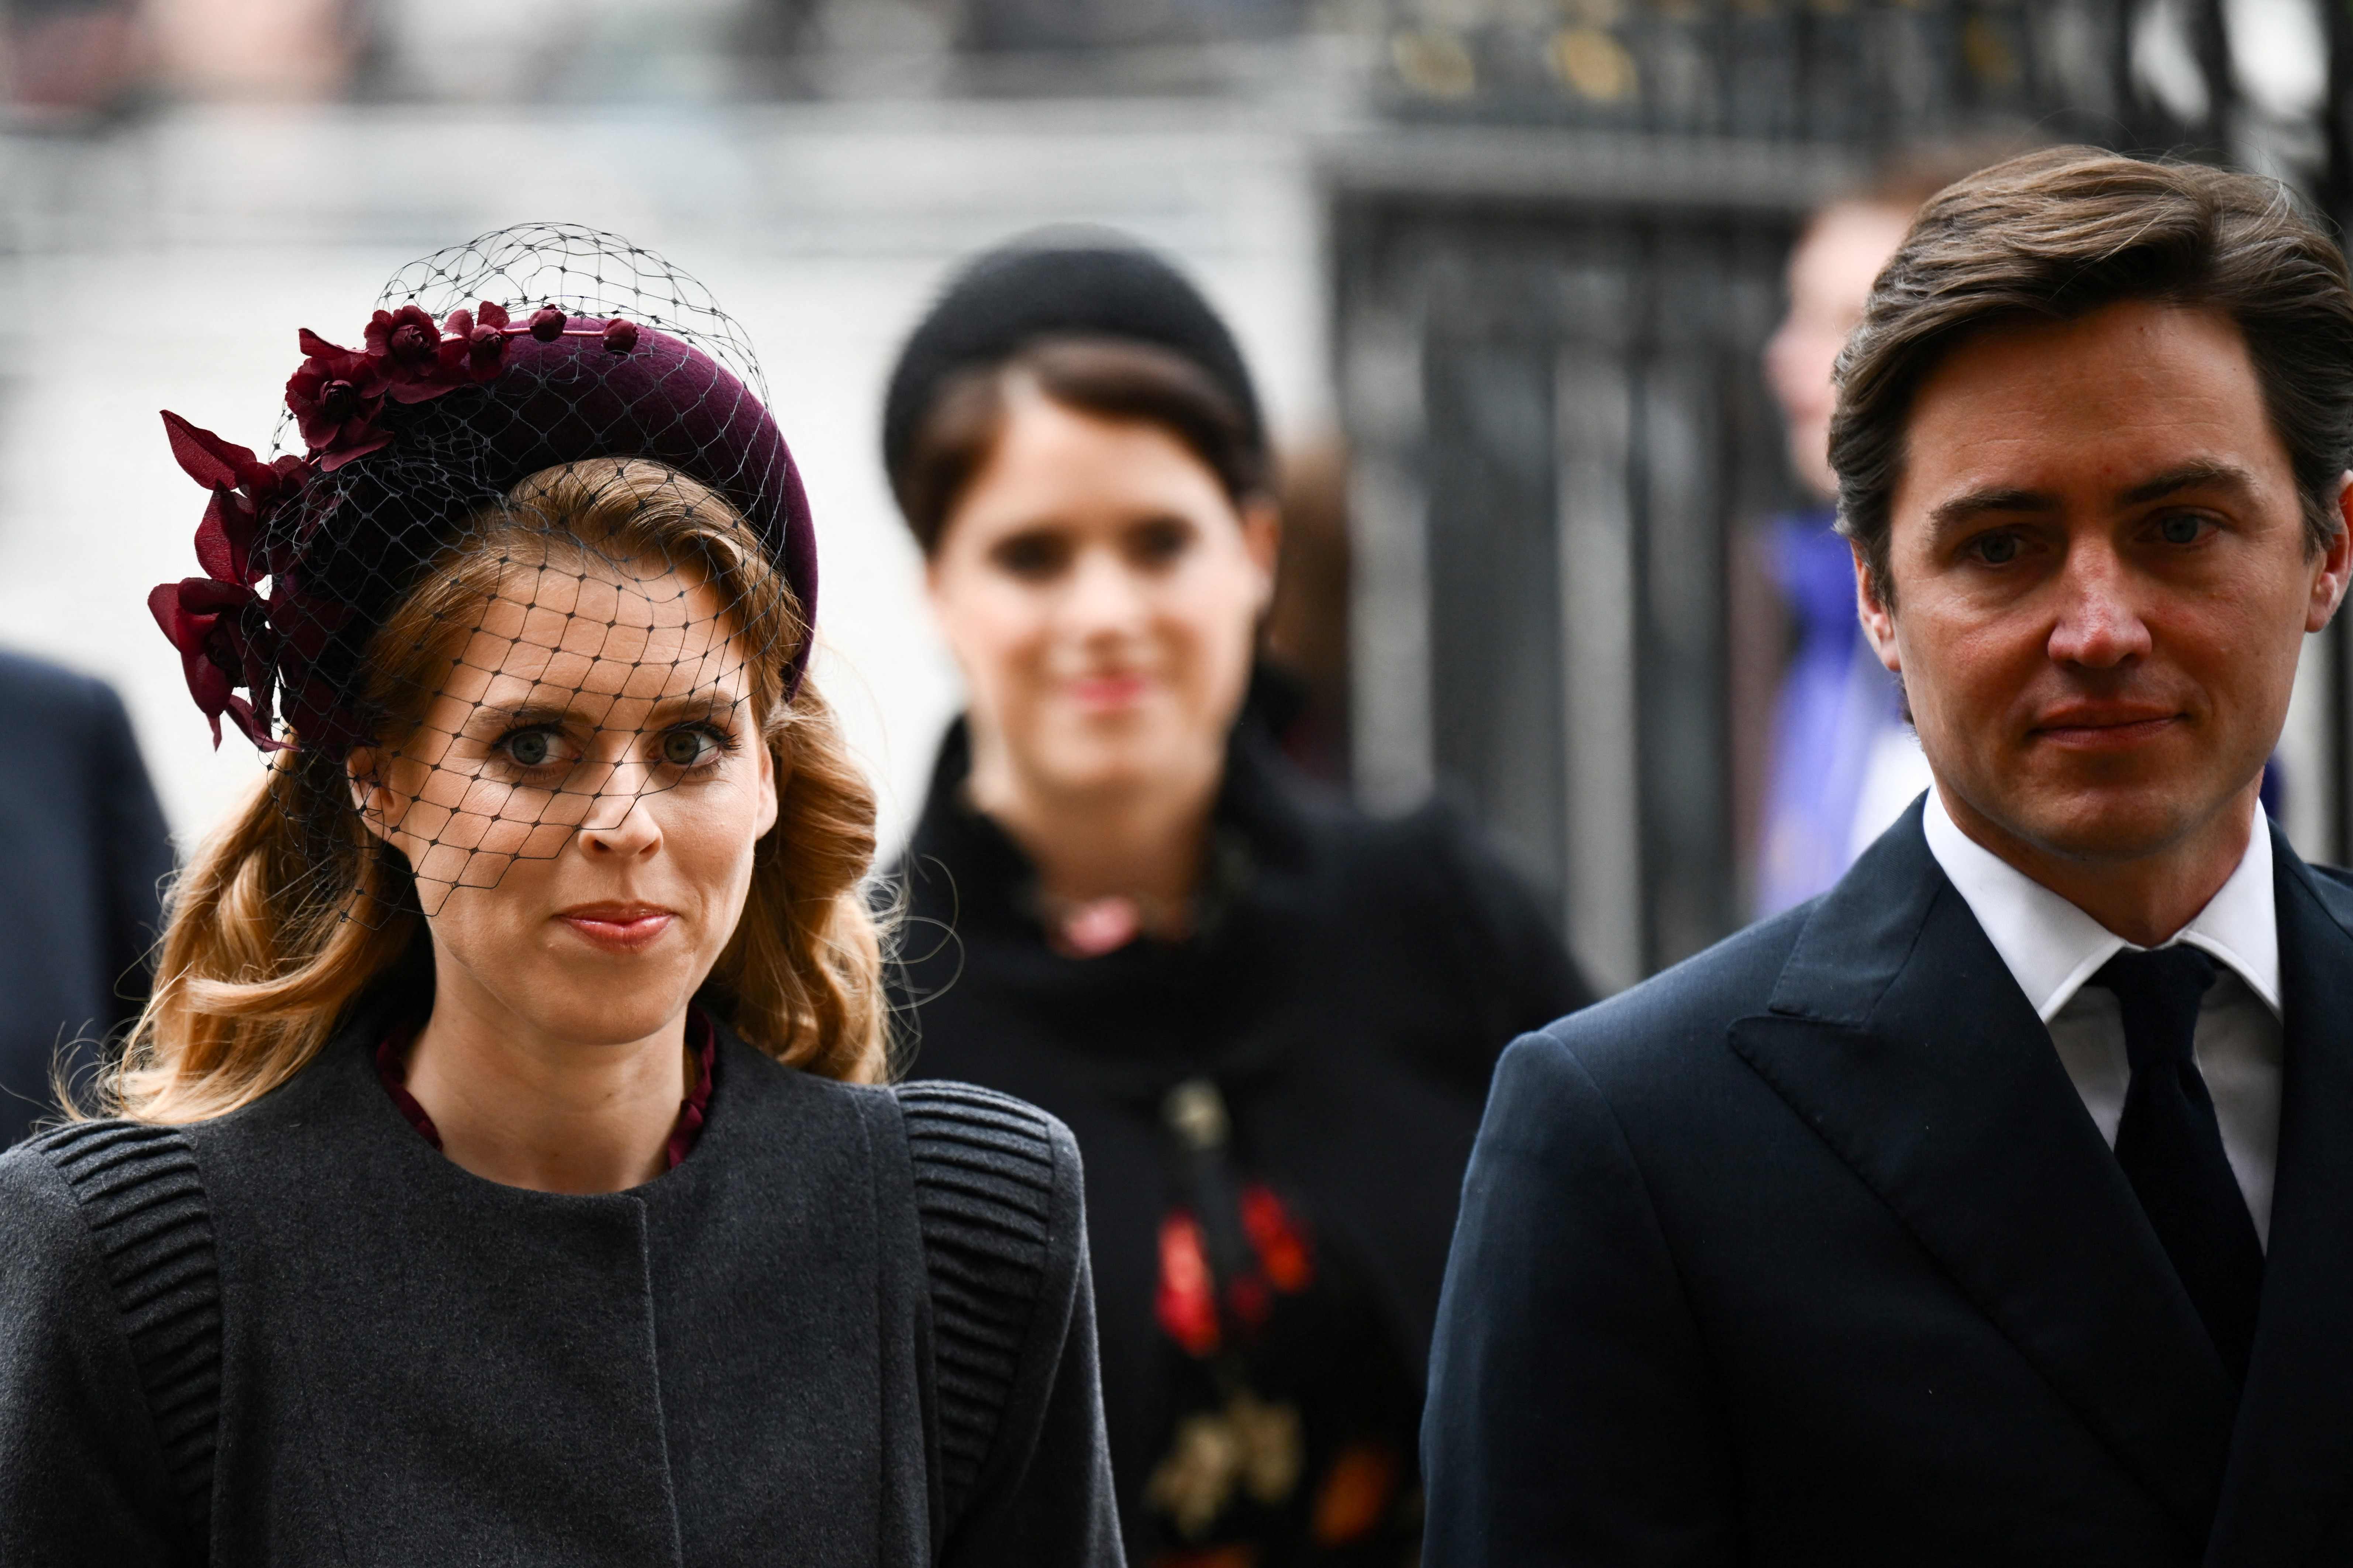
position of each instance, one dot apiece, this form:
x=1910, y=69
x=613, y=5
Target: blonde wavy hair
x=293, y=910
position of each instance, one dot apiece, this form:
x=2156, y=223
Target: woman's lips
x=618, y=928
x=1103, y=692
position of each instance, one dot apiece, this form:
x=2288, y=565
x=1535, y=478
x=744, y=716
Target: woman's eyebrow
x=500, y=717
x=495, y=719
x=665, y=710
x=693, y=705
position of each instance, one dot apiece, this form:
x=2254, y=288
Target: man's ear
x=2336, y=562
x=1871, y=609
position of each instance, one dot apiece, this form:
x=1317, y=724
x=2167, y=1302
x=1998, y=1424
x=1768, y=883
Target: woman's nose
x=621, y=820
x=1103, y=594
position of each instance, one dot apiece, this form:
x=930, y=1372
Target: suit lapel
x=1898, y=1034
x=2290, y=1472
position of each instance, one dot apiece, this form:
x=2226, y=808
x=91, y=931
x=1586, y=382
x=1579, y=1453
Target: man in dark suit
x=1998, y=1205
x=83, y=855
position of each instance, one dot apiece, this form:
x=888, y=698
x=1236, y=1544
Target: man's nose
x=2100, y=623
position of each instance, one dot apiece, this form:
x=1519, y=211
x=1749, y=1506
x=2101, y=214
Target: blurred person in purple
x=1844, y=763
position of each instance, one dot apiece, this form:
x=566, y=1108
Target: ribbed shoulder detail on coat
x=985, y=1183
x=144, y=1202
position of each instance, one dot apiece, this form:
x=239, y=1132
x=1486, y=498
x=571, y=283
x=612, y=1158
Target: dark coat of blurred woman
x=1268, y=1020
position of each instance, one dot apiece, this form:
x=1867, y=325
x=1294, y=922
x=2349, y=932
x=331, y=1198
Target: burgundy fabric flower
x=217, y=621
x=419, y=362
x=547, y=323
x=336, y=398
x=485, y=347
x=218, y=628
x=407, y=339
x=620, y=335
x=486, y=331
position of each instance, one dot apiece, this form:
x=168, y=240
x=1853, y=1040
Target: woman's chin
x=1096, y=774
x=1106, y=758
x=607, y=1005
x=622, y=1023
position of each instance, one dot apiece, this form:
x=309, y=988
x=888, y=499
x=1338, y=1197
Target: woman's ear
x=1262, y=538
x=370, y=798
x=776, y=772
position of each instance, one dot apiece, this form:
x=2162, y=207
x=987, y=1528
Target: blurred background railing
x=1506, y=267
x=1556, y=266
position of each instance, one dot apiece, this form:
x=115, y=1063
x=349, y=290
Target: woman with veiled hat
x=500, y=1172
x=1269, y=1019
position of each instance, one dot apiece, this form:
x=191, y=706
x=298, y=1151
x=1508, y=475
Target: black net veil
x=532, y=552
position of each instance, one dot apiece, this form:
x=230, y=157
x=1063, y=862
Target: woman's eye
x=1997, y=549
x=530, y=748
x=1033, y=556
x=1158, y=544
x=688, y=747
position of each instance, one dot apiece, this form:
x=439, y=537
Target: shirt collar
x=2052, y=948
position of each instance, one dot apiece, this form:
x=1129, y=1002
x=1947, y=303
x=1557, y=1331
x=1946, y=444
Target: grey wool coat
x=853, y=1327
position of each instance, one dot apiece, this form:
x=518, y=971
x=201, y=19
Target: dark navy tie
x=2171, y=1145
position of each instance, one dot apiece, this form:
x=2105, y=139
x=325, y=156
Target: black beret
x=1053, y=283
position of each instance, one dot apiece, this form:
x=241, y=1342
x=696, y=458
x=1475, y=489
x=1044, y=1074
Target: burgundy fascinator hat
x=485, y=363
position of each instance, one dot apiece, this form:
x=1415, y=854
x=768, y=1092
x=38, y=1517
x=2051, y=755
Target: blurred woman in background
x=1269, y=1020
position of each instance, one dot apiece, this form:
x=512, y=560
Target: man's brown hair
x=2060, y=232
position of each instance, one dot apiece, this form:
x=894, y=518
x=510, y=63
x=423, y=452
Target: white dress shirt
x=2053, y=949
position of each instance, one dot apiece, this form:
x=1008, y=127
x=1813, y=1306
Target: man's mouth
x=2107, y=726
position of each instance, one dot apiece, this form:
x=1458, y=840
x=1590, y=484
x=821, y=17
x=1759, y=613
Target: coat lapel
x=1898, y=1034
x=2291, y=1475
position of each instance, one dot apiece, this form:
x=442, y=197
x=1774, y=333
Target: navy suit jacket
x=83, y=853
x=1807, y=1252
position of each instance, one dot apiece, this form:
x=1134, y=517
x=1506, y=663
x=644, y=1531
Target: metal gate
x=1554, y=268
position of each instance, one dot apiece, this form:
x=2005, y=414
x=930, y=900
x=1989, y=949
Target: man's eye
x=1997, y=549
x=2181, y=528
